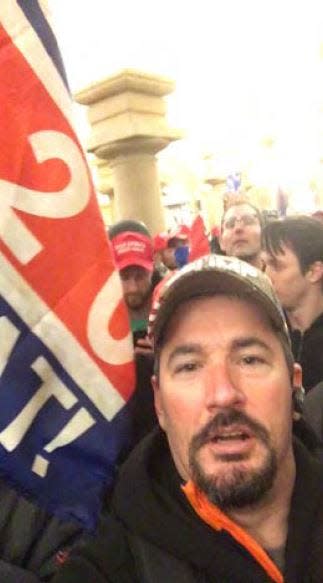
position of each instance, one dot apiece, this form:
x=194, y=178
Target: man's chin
x=134, y=303
x=225, y=466
x=243, y=251
x=236, y=481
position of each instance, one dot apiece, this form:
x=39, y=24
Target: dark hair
x=240, y=202
x=128, y=225
x=302, y=234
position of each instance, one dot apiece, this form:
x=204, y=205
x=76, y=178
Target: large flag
x=66, y=367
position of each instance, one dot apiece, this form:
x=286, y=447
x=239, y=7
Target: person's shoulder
x=313, y=409
x=315, y=331
x=103, y=558
x=318, y=322
x=32, y=540
x=315, y=394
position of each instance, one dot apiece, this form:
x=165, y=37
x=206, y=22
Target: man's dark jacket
x=156, y=537
x=33, y=543
x=313, y=409
x=308, y=351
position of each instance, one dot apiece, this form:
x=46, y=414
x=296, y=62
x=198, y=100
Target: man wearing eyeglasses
x=241, y=233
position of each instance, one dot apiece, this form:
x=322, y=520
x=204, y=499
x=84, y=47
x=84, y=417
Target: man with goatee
x=222, y=492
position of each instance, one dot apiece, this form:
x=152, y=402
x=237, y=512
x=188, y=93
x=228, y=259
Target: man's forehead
x=219, y=303
x=239, y=209
x=134, y=270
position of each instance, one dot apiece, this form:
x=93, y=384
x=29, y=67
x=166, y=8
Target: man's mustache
x=225, y=419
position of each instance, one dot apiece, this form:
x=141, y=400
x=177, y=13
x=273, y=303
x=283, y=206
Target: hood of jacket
x=149, y=501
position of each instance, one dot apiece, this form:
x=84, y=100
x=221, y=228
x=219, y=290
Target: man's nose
x=238, y=225
x=221, y=389
x=130, y=286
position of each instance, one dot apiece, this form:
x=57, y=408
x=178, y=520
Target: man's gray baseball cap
x=212, y=275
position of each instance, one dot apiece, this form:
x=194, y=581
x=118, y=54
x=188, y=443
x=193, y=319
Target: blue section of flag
x=84, y=467
x=38, y=21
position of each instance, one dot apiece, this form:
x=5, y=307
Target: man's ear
x=315, y=272
x=297, y=376
x=158, y=401
x=298, y=392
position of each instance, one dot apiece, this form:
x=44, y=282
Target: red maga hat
x=161, y=241
x=131, y=248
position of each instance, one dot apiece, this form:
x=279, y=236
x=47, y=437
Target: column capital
x=133, y=146
x=128, y=111
x=124, y=81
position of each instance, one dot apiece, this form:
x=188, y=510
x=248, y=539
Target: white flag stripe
x=59, y=340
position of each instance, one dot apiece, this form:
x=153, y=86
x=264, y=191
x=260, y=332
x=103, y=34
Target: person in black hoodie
x=294, y=263
x=221, y=492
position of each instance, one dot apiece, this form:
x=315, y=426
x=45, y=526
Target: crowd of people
x=289, y=251
x=227, y=484
x=223, y=478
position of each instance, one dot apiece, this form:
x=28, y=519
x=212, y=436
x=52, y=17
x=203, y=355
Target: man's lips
x=231, y=440
x=240, y=242
x=229, y=433
x=234, y=433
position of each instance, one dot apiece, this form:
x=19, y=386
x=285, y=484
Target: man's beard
x=135, y=301
x=236, y=486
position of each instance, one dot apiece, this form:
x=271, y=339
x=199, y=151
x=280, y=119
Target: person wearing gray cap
x=222, y=491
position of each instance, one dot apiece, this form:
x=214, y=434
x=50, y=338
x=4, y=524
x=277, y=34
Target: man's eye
x=186, y=367
x=253, y=360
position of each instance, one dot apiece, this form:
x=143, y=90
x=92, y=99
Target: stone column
x=213, y=200
x=104, y=182
x=127, y=114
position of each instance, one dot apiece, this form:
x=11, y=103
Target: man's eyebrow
x=249, y=342
x=184, y=349
x=237, y=344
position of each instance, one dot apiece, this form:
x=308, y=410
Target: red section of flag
x=199, y=244
x=74, y=261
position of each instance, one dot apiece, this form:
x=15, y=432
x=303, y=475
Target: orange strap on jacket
x=211, y=514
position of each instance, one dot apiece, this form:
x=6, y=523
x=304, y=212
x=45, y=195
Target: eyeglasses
x=245, y=220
